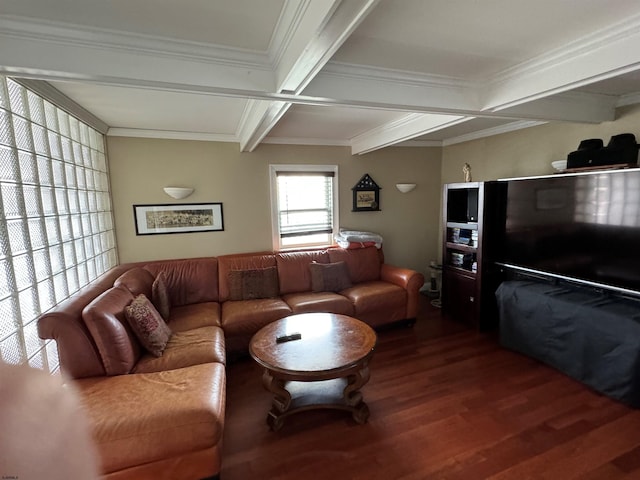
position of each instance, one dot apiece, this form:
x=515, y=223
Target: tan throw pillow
x=329, y=277
x=252, y=284
x=148, y=325
x=160, y=296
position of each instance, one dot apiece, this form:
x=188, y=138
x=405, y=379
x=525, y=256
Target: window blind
x=305, y=203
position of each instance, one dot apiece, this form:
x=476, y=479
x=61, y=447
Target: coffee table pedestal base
x=293, y=396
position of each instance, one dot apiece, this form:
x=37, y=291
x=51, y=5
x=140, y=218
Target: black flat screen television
x=583, y=227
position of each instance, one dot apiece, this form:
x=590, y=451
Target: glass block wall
x=56, y=223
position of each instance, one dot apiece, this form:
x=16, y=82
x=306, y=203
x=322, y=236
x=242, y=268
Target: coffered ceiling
x=361, y=73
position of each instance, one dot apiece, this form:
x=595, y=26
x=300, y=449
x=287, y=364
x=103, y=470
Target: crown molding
x=630, y=99
x=55, y=96
x=420, y=143
x=171, y=135
x=107, y=39
x=402, y=129
x=327, y=142
x=404, y=77
x=489, y=132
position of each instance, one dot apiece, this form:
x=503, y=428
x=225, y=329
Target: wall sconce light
x=178, y=192
x=405, y=187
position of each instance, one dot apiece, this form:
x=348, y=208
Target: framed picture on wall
x=181, y=218
x=366, y=195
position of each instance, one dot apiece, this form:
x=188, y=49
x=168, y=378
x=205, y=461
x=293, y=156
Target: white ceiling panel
x=204, y=21
x=134, y=108
x=363, y=73
x=474, y=39
x=329, y=123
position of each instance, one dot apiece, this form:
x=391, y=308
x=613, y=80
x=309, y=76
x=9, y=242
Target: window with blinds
x=304, y=205
x=56, y=225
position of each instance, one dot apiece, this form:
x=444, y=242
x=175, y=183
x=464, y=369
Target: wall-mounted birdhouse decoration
x=366, y=195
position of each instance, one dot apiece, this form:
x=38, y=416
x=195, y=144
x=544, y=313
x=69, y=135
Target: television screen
x=584, y=227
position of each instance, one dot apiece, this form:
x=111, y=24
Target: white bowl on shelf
x=559, y=165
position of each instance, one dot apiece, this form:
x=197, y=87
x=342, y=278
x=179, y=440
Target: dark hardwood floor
x=446, y=403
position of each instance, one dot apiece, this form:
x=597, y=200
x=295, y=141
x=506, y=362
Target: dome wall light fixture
x=405, y=187
x=178, y=192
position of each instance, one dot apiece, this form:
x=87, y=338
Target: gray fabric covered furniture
x=594, y=338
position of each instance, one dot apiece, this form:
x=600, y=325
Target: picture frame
x=365, y=200
x=366, y=195
x=178, y=218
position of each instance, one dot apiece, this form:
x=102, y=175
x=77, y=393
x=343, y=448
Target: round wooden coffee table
x=324, y=368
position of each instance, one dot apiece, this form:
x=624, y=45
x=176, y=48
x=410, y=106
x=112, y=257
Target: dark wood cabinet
x=469, y=278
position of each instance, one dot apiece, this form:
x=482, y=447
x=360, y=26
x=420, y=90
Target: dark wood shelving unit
x=468, y=276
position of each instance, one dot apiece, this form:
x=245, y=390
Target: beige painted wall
x=530, y=151
x=219, y=172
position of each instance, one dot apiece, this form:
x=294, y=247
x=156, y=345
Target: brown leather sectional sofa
x=163, y=417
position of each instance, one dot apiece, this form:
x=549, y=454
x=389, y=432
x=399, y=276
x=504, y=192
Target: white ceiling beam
x=601, y=55
x=410, y=126
x=490, y=132
x=399, y=90
x=578, y=107
x=307, y=36
x=259, y=117
x=365, y=86
x=316, y=38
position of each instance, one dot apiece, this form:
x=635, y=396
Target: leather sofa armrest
x=403, y=277
x=408, y=279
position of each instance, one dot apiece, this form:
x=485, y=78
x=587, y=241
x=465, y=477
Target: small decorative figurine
x=466, y=170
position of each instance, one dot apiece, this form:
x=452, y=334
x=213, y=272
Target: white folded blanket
x=358, y=239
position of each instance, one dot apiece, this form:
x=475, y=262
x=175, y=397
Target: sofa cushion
x=364, y=263
x=377, y=302
x=188, y=317
x=137, y=280
x=104, y=317
x=227, y=263
x=193, y=347
x=144, y=418
x=309, y=302
x=160, y=295
x=148, y=325
x=254, y=283
x=246, y=317
x=329, y=277
x=293, y=269
x=190, y=280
